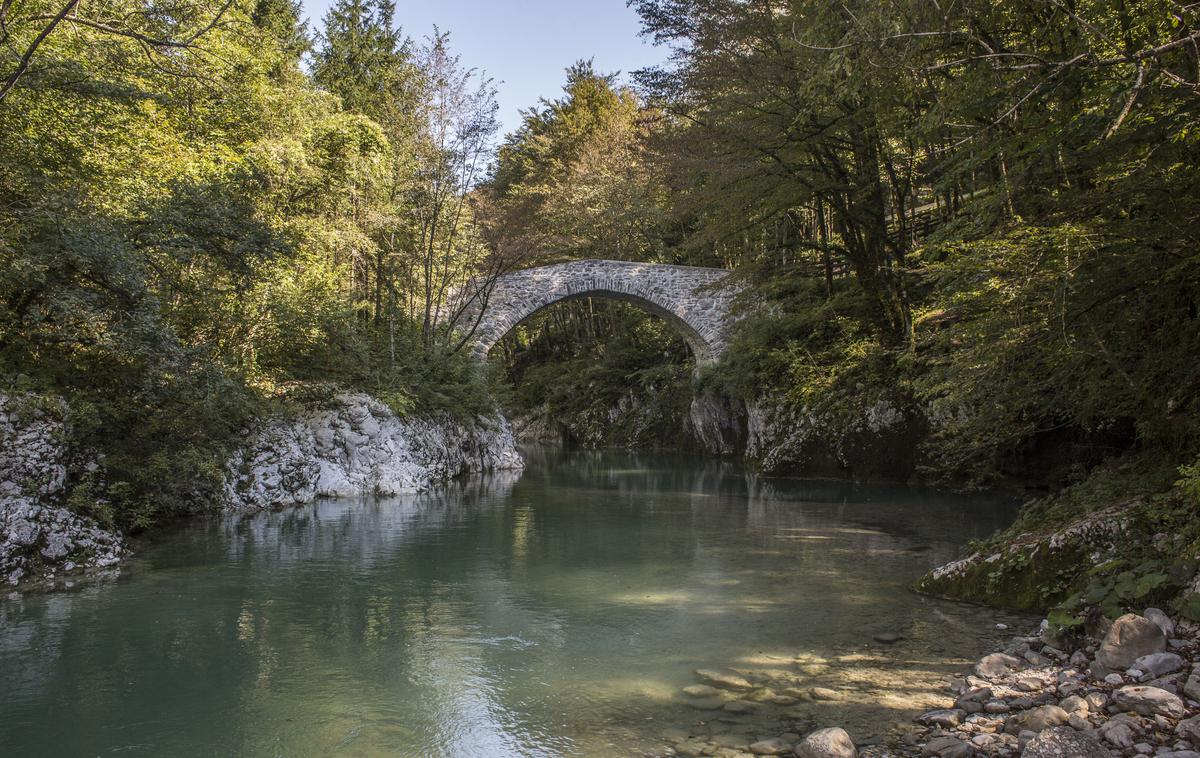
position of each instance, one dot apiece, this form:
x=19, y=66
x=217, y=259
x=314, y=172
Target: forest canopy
x=986, y=211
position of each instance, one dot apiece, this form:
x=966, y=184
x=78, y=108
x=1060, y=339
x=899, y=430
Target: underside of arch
x=703, y=351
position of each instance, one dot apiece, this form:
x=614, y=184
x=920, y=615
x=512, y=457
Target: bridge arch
x=695, y=301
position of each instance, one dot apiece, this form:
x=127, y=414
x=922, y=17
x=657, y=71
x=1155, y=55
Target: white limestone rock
x=359, y=446
x=38, y=537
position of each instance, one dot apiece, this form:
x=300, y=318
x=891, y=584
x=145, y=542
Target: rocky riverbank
x=1133, y=690
x=350, y=445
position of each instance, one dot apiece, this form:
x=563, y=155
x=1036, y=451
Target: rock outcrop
x=353, y=446
x=717, y=423
x=356, y=445
x=877, y=441
x=1013, y=575
x=39, y=537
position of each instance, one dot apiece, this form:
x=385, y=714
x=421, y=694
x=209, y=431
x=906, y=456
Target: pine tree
x=361, y=57
x=281, y=20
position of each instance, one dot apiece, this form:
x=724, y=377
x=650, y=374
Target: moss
x=1076, y=553
x=1028, y=578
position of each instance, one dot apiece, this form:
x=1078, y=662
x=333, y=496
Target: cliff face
x=356, y=445
x=876, y=441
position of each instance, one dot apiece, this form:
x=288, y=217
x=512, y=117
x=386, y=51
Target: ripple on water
x=562, y=613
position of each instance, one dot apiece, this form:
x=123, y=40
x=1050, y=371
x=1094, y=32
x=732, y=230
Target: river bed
x=551, y=612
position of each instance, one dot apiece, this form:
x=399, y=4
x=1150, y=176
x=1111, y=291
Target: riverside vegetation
x=968, y=236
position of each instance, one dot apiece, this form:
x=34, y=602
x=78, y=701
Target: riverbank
x=346, y=445
x=1131, y=691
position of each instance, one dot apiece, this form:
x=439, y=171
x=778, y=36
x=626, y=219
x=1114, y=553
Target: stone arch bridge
x=696, y=301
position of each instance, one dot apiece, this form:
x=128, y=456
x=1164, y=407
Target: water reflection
x=554, y=612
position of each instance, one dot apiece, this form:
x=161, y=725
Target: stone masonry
x=696, y=301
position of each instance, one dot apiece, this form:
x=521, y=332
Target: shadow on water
x=555, y=611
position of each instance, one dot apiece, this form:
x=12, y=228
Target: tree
x=457, y=128
x=164, y=31
x=577, y=178
x=361, y=56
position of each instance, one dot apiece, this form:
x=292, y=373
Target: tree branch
x=23, y=64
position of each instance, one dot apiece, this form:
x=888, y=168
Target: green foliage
x=813, y=349
x=577, y=179
x=1189, y=481
x=188, y=223
x=1009, y=190
x=606, y=372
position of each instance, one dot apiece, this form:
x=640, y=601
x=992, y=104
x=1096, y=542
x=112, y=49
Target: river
x=557, y=611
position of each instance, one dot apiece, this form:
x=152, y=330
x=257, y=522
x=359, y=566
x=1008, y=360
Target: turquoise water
x=559, y=611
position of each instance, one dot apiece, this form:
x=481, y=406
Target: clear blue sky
x=525, y=45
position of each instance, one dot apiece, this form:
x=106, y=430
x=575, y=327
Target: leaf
x=1189, y=607
x=1148, y=584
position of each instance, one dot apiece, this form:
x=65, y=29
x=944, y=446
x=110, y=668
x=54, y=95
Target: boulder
x=947, y=747
x=1192, y=687
x=1129, y=638
x=1037, y=719
x=976, y=695
x=1074, y=704
x=946, y=718
x=832, y=742
x=1064, y=742
x=1148, y=701
x=1189, y=729
x=1117, y=733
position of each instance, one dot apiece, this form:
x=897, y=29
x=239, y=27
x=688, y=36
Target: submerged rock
x=721, y=679
x=774, y=746
x=700, y=690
